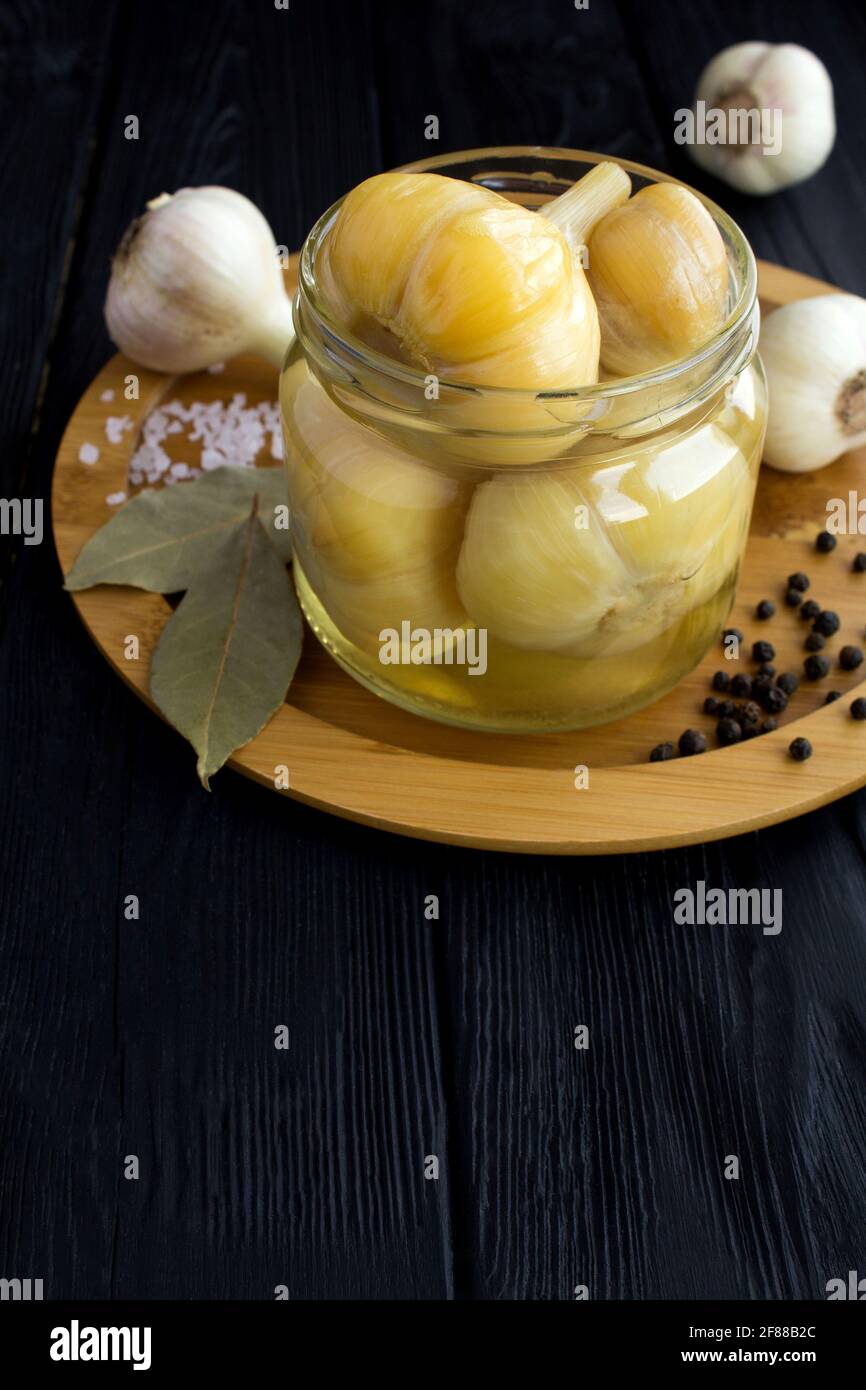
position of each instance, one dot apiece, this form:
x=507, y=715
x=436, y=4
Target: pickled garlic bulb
x=376, y=533
x=658, y=269
x=473, y=287
x=598, y=563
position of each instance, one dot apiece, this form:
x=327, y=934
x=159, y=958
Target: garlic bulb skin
x=195, y=280
x=814, y=354
x=769, y=77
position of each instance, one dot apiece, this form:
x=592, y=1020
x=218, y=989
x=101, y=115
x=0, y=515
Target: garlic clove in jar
x=376, y=532
x=597, y=564
x=473, y=287
x=195, y=280
x=792, y=87
x=659, y=272
x=814, y=354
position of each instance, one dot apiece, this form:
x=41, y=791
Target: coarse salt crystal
x=116, y=427
x=114, y=499
x=88, y=453
x=106, y=395
x=230, y=432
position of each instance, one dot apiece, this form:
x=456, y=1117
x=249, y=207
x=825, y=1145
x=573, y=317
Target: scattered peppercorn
x=765, y=609
x=727, y=709
x=826, y=623
x=769, y=725
x=858, y=708
x=775, y=700
x=741, y=686
x=810, y=610
x=760, y=685
x=800, y=750
x=692, y=741
x=750, y=713
x=799, y=581
x=763, y=651
x=766, y=670
x=750, y=730
x=859, y=564
x=728, y=731
x=793, y=598
x=721, y=680
x=711, y=705
x=850, y=658
x=662, y=752
x=816, y=667
x=814, y=642
x=788, y=682
x=824, y=542
x=831, y=696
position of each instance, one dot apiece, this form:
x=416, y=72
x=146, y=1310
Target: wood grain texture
x=116, y=1036
x=156, y=1037
x=350, y=752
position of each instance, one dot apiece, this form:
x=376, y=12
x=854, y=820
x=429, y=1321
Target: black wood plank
x=53, y=65
x=604, y=1168
x=155, y=1037
x=813, y=226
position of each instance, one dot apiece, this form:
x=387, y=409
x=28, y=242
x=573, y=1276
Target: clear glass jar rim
x=736, y=322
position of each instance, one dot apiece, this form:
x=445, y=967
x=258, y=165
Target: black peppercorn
x=810, y=610
x=859, y=564
x=788, y=682
x=692, y=741
x=763, y=651
x=741, y=686
x=800, y=750
x=769, y=725
x=799, y=581
x=661, y=753
x=711, y=705
x=728, y=731
x=775, y=700
x=721, y=680
x=850, y=658
x=816, y=667
x=814, y=642
x=793, y=598
x=826, y=623
x=749, y=713
x=765, y=609
x=727, y=709
x=760, y=686
x=824, y=542
x=831, y=696
x=858, y=708
x=766, y=670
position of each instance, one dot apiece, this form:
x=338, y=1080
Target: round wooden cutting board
x=355, y=755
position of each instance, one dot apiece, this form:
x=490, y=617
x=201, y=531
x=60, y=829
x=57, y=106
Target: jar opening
x=531, y=175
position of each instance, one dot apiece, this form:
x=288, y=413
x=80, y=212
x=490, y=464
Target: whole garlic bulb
x=814, y=354
x=768, y=77
x=196, y=279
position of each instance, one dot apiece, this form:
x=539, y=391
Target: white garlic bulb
x=196, y=280
x=814, y=354
x=787, y=83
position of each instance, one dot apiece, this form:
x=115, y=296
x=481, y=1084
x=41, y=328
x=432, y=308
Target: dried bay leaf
x=227, y=655
x=162, y=540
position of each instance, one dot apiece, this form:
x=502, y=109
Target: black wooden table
x=408, y=1038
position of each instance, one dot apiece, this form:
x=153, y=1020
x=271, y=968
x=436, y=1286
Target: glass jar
x=514, y=560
